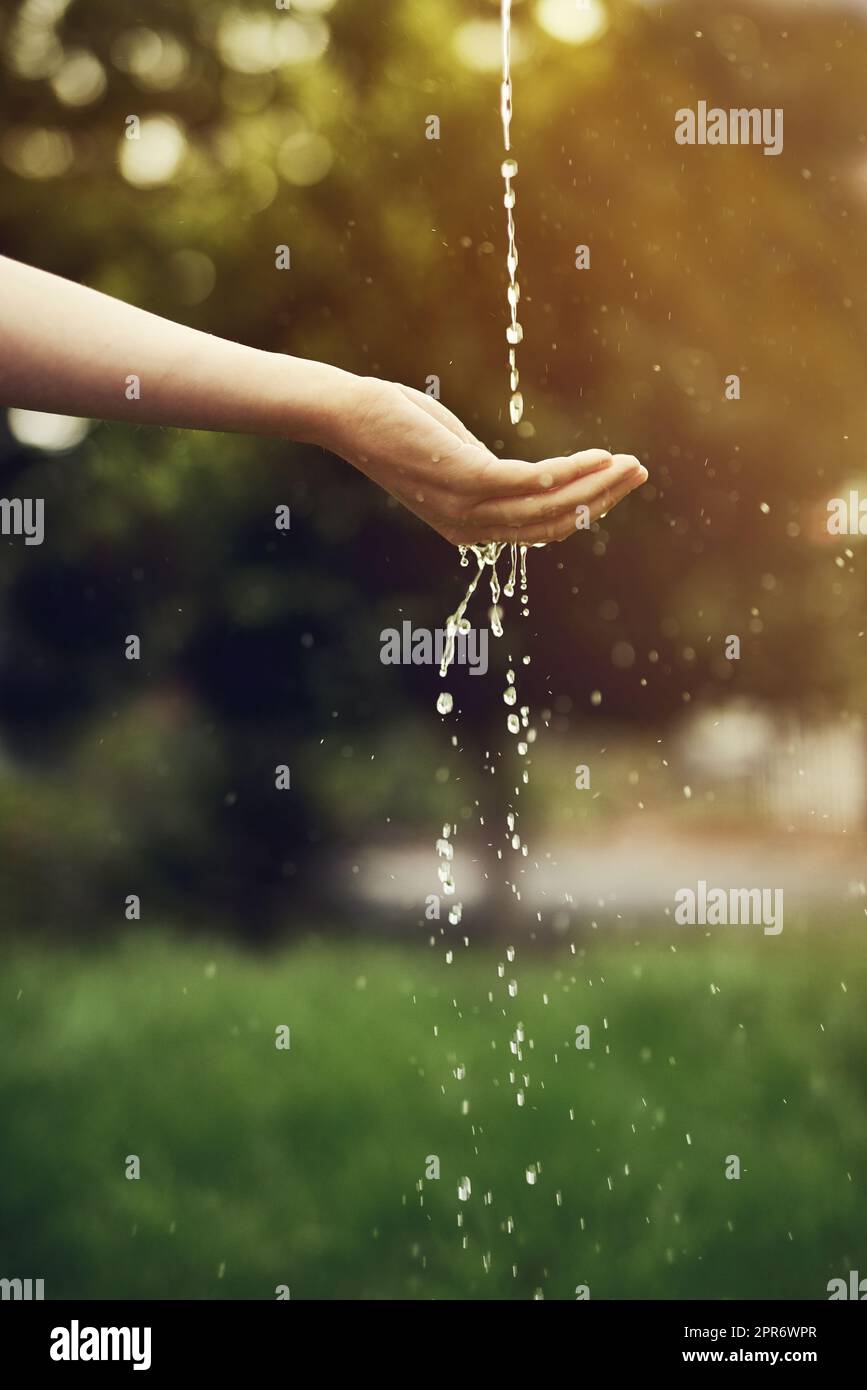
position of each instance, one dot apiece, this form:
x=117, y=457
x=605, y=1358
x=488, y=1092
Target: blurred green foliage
x=305, y=1167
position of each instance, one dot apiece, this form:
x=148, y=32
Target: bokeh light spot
x=305, y=158
x=572, y=23
x=37, y=153
x=154, y=158
x=52, y=433
x=80, y=79
x=478, y=44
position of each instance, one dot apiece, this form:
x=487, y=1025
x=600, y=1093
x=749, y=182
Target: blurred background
x=412, y=1038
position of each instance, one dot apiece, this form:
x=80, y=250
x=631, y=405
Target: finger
x=618, y=486
x=562, y=524
x=627, y=475
x=525, y=511
x=561, y=527
x=504, y=478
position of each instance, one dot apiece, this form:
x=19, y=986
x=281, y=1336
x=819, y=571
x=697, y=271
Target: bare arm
x=70, y=350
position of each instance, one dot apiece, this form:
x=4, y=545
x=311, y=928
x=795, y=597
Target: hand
x=422, y=454
x=402, y=439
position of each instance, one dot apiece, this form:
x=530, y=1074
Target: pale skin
x=70, y=350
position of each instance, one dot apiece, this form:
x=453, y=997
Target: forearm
x=70, y=350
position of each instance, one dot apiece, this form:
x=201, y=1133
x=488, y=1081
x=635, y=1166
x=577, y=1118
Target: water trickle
x=509, y=170
x=486, y=555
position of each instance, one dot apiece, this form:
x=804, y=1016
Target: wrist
x=315, y=402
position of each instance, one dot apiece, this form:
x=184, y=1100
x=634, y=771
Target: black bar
x=229, y=1338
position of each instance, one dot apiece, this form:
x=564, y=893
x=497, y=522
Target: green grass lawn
x=262, y=1167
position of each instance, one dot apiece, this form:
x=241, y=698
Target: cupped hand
x=423, y=455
